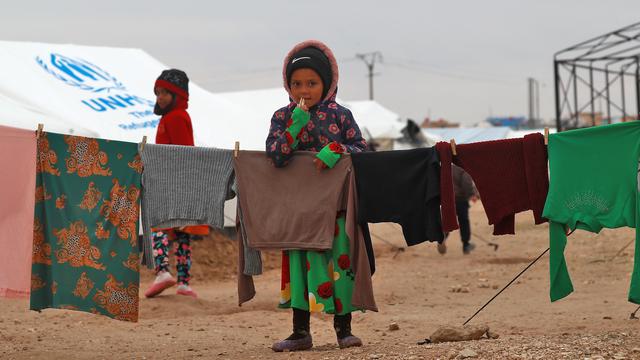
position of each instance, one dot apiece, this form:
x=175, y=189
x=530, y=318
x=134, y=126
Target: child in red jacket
x=172, y=97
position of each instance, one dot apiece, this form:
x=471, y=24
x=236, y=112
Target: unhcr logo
x=79, y=73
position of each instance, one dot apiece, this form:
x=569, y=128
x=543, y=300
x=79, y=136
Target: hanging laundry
x=17, y=191
x=510, y=175
x=183, y=185
x=252, y=257
x=594, y=185
x=402, y=187
x=295, y=207
x=85, y=250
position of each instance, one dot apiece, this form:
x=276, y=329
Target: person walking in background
x=465, y=191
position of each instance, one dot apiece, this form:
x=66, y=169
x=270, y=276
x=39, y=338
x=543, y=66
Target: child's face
x=163, y=97
x=307, y=84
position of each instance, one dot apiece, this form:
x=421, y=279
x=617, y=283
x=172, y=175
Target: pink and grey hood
x=316, y=55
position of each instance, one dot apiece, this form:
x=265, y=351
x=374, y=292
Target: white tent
x=374, y=120
x=104, y=92
x=520, y=133
x=469, y=135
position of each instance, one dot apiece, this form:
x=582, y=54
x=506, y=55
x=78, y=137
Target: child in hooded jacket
x=313, y=121
x=172, y=100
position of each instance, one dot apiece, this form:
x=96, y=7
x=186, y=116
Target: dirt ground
x=416, y=287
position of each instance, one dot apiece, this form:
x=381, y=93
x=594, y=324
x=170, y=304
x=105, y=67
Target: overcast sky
x=460, y=60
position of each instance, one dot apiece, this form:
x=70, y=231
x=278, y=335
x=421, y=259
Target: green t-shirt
x=593, y=185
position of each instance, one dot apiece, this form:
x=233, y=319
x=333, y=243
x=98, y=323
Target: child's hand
x=320, y=165
x=302, y=105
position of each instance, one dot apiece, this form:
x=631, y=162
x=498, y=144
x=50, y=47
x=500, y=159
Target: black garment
x=368, y=246
x=402, y=187
x=462, y=210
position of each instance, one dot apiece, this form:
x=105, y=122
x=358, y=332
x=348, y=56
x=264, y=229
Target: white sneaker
x=162, y=277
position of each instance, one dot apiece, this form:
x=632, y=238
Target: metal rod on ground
x=633, y=314
x=495, y=246
x=506, y=286
x=621, y=250
x=396, y=248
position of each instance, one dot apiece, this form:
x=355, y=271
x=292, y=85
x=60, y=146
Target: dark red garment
x=175, y=126
x=511, y=176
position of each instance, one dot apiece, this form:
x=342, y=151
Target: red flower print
x=323, y=140
x=333, y=128
x=342, y=118
x=344, y=262
x=321, y=115
x=351, y=133
x=304, y=136
x=273, y=147
x=310, y=126
x=325, y=290
x=333, y=106
x=285, y=148
x=338, y=305
x=280, y=115
x=289, y=138
x=336, y=148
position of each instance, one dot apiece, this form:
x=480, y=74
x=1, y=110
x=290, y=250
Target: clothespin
x=453, y=147
x=39, y=131
x=144, y=142
x=236, y=149
x=546, y=136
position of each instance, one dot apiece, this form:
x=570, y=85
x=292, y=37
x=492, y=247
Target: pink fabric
x=17, y=199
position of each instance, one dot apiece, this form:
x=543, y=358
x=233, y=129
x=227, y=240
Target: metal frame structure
x=603, y=69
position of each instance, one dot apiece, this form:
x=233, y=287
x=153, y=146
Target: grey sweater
x=183, y=185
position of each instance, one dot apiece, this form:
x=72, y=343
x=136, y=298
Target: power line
x=422, y=69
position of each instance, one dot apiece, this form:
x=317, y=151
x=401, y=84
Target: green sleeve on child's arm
x=299, y=119
x=329, y=156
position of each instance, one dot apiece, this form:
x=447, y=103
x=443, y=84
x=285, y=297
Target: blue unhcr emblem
x=80, y=73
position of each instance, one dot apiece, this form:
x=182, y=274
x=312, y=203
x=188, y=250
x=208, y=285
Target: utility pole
x=370, y=60
x=534, y=101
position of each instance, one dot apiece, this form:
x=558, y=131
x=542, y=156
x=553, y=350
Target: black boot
x=300, y=339
x=342, y=325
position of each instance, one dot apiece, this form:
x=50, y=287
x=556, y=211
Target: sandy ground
x=417, y=288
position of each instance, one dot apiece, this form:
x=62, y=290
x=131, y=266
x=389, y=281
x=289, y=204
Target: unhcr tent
x=103, y=92
x=107, y=93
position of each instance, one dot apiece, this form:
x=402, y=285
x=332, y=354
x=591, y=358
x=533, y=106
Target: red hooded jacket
x=175, y=126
